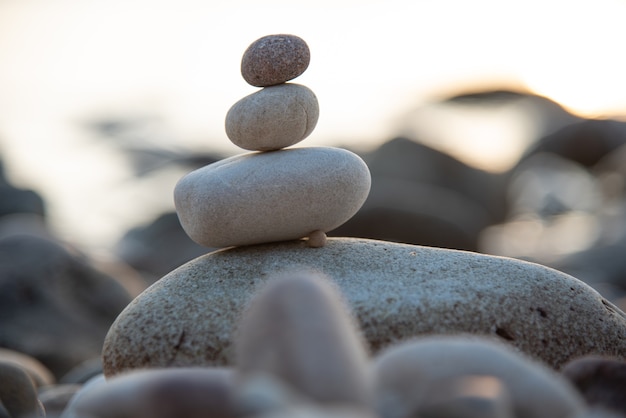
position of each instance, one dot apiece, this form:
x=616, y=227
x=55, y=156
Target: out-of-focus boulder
x=585, y=142
x=54, y=305
x=159, y=247
x=422, y=196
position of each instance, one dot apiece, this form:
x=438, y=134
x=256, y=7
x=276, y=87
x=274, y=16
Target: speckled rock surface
x=274, y=59
x=265, y=197
x=395, y=290
x=273, y=118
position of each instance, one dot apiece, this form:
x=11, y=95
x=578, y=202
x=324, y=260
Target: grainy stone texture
x=396, y=291
x=273, y=118
x=406, y=374
x=275, y=59
x=265, y=197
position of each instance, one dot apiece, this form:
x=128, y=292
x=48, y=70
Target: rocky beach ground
x=322, y=282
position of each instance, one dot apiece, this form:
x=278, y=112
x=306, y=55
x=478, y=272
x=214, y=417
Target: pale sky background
x=62, y=62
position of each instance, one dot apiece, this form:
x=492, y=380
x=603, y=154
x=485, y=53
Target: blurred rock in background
x=422, y=196
x=158, y=247
x=18, y=201
x=56, y=304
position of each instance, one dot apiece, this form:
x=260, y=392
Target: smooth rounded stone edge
x=283, y=195
x=273, y=118
x=40, y=374
x=406, y=374
x=396, y=291
x=85, y=390
x=166, y=392
x=56, y=398
x=302, y=316
x=466, y=396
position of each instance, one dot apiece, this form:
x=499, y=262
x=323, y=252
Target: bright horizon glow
x=581, y=64
x=66, y=61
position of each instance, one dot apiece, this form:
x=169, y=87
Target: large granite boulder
x=396, y=291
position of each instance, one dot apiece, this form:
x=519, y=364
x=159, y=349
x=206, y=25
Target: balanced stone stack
x=263, y=203
x=273, y=194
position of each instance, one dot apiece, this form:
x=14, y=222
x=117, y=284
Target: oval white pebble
x=284, y=195
x=273, y=118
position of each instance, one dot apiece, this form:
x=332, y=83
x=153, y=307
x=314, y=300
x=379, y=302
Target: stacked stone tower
x=273, y=193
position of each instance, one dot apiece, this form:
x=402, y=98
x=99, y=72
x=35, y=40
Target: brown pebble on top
x=274, y=59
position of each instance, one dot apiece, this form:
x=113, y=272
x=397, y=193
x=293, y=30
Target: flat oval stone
x=273, y=118
x=265, y=197
x=274, y=59
x=396, y=291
